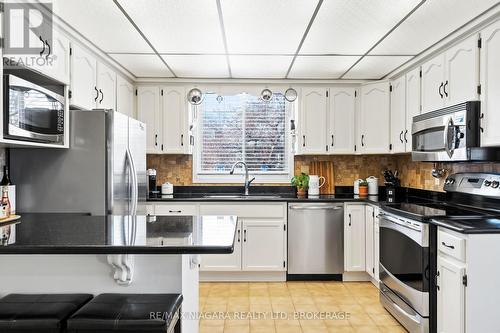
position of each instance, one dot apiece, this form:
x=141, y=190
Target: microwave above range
x=451, y=134
x=33, y=112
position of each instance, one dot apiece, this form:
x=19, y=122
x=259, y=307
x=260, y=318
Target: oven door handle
x=399, y=309
x=389, y=222
x=449, y=150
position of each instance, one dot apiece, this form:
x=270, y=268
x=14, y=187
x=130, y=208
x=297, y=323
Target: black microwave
x=32, y=112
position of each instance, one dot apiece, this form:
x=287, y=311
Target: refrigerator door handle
x=135, y=190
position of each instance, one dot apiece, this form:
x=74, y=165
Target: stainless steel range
x=408, y=243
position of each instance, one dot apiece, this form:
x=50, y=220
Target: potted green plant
x=363, y=188
x=301, y=182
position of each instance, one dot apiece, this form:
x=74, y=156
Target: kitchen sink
x=241, y=196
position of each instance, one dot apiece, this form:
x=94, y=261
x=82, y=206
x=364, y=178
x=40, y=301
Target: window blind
x=245, y=128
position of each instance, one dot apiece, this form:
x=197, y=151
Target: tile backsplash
x=418, y=174
x=177, y=169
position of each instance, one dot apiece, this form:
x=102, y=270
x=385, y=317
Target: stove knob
x=487, y=183
x=450, y=181
x=495, y=184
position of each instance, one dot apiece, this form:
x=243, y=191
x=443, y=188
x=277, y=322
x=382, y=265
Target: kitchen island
x=78, y=253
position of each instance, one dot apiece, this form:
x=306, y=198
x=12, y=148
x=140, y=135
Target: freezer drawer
x=315, y=238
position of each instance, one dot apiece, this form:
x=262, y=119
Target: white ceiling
x=296, y=39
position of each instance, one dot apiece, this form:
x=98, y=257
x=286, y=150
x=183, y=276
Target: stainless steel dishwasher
x=315, y=241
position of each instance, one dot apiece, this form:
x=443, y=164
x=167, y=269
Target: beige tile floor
x=346, y=307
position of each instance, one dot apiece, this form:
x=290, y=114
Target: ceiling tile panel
x=321, y=67
x=199, y=66
x=430, y=23
x=143, y=65
x=354, y=26
x=102, y=23
x=259, y=66
x=375, y=67
x=263, y=26
x=174, y=26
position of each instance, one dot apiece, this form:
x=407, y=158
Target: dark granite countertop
x=263, y=198
x=471, y=225
x=85, y=234
x=260, y=193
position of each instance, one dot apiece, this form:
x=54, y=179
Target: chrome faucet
x=247, y=182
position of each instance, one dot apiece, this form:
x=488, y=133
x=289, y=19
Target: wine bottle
x=5, y=180
x=5, y=201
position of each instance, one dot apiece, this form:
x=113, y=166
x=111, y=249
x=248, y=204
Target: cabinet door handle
x=444, y=88
x=401, y=136
x=439, y=90
x=303, y=140
x=102, y=96
x=244, y=235
x=333, y=140
x=182, y=139
x=239, y=234
x=448, y=246
x=43, y=43
x=362, y=140
x=406, y=133
x=175, y=211
x=350, y=220
x=437, y=277
x=96, y=94
x=156, y=140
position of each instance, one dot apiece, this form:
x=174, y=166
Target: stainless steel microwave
x=32, y=112
x=449, y=134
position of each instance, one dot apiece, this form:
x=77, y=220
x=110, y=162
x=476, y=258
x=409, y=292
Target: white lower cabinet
x=260, y=242
x=467, y=282
x=450, y=296
x=369, y=240
x=376, y=245
x=263, y=245
x=224, y=262
x=354, y=238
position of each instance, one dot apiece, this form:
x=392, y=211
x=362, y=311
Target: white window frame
x=239, y=175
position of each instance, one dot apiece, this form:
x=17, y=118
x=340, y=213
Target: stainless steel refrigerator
x=103, y=172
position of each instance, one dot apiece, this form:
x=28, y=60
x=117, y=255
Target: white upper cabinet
x=312, y=118
x=57, y=64
x=106, y=84
x=175, y=120
x=93, y=84
x=490, y=85
x=374, y=118
x=341, y=113
x=462, y=72
x=398, y=114
x=432, y=84
x=451, y=77
x=84, y=92
x=125, y=101
x=148, y=111
x=412, y=103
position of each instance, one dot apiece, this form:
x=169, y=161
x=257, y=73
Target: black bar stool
x=139, y=313
x=41, y=313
